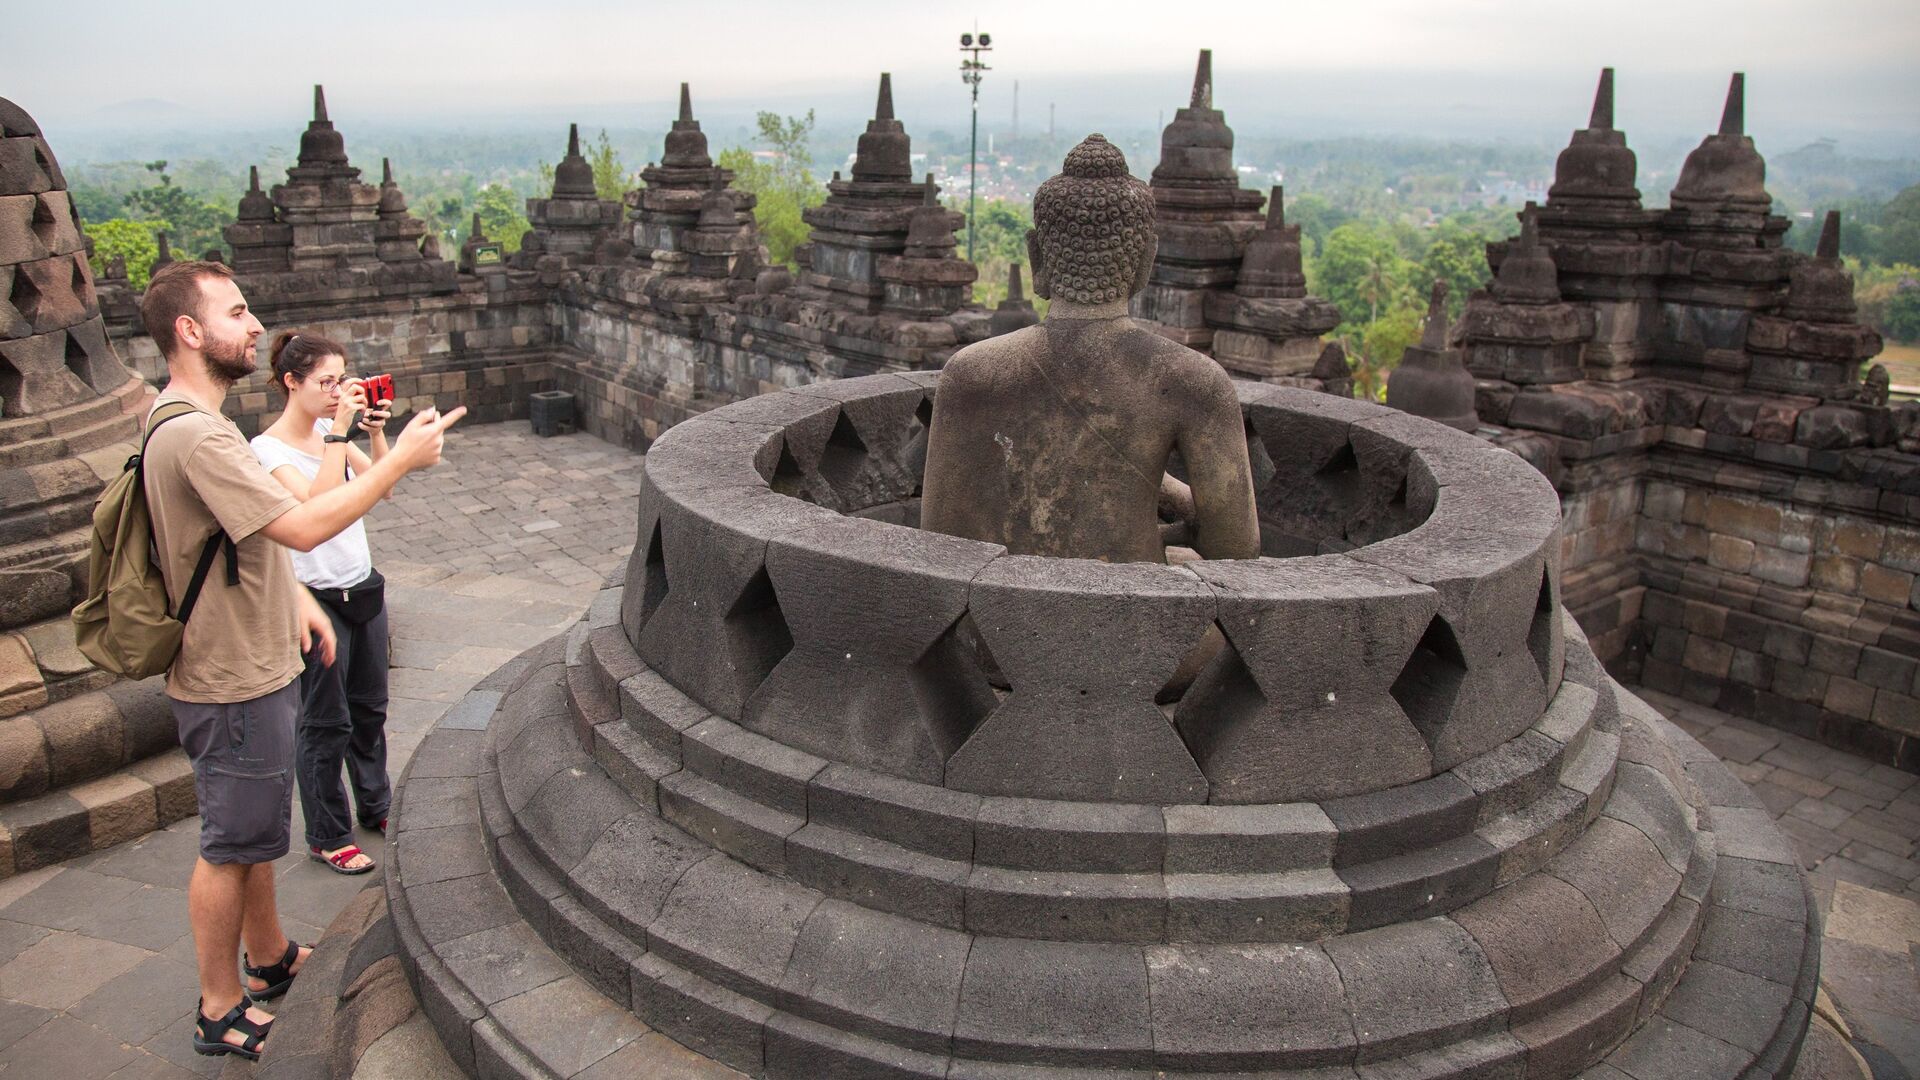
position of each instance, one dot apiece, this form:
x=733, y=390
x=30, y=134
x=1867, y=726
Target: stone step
x=96, y=434
x=779, y=1023
x=1114, y=872
x=685, y=933
x=125, y=399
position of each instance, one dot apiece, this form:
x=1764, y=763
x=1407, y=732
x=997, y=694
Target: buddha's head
x=1092, y=240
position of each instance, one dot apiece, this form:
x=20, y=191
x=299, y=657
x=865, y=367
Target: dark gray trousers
x=343, y=718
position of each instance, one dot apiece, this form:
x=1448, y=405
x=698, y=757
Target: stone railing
x=779, y=583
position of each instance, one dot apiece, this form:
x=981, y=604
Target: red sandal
x=337, y=862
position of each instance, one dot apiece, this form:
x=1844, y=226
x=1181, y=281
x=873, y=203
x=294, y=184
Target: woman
x=344, y=707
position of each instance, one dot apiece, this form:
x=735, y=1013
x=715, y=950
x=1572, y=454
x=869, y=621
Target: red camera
x=379, y=388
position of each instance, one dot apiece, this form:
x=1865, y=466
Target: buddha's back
x=1054, y=440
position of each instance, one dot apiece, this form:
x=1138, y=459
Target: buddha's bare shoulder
x=1194, y=376
x=995, y=360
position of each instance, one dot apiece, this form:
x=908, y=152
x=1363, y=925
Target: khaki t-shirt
x=241, y=641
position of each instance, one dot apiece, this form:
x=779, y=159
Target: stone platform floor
x=502, y=547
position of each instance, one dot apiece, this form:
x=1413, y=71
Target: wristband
x=352, y=426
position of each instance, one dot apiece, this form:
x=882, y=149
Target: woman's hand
x=353, y=398
x=375, y=418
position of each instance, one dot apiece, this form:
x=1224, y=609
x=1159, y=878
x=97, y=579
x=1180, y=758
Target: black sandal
x=210, y=1036
x=278, y=977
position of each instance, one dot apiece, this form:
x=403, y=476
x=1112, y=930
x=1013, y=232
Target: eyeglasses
x=329, y=384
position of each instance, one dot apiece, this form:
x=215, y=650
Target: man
x=234, y=686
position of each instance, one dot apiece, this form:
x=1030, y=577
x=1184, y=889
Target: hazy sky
x=1444, y=67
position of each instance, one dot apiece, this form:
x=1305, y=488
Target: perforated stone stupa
x=84, y=757
x=771, y=800
x=815, y=792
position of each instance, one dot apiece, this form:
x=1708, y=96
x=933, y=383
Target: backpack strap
x=214, y=543
x=160, y=416
x=207, y=552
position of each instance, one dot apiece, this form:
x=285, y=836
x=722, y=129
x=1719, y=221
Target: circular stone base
x=551, y=919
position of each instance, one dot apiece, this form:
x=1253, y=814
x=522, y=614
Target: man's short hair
x=173, y=292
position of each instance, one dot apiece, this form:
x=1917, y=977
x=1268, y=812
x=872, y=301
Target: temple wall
x=475, y=349
x=1782, y=591
x=1600, y=575
x=1791, y=600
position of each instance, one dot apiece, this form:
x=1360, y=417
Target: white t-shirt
x=341, y=562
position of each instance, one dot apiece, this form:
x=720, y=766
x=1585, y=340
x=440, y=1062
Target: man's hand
x=316, y=630
x=419, y=445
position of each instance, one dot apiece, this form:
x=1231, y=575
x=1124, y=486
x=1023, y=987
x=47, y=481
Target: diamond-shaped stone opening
x=25, y=295
x=952, y=687
x=78, y=361
x=46, y=224
x=1258, y=457
x=913, y=453
x=1192, y=663
x=83, y=282
x=656, y=581
x=758, y=637
x=1340, y=477
x=1430, y=682
x=1390, y=518
x=10, y=384
x=968, y=634
x=1223, y=696
x=845, y=454
x=1540, y=630
x=787, y=479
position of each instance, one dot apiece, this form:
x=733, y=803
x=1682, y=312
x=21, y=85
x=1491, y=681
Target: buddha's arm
x=1214, y=446
x=944, y=485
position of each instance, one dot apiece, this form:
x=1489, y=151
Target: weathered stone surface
x=1070, y=1003
x=1081, y=722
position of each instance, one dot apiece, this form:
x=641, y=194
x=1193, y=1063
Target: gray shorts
x=242, y=756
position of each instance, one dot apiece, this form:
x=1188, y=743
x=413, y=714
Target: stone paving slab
x=1854, y=825
x=96, y=962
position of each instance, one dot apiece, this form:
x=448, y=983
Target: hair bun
x=1095, y=159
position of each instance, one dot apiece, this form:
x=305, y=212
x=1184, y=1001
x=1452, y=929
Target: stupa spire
x=319, y=104
x=1434, y=335
x=1203, y=81
x=1276, y=208
x=573, y=140
x=1602, y=119
x=253, y=179
x=386, y=171
x=686, y=102
x=883, y=109
x=1829, y=247
x=1733, y=118
x=1015, y=290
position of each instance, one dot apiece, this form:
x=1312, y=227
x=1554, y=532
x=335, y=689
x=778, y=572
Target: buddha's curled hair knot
x=1092, y=223
x=1095, y=159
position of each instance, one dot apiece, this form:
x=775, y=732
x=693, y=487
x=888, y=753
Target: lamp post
x=972, y=70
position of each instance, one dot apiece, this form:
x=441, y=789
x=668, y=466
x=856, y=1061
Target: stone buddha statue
x=1055, y=439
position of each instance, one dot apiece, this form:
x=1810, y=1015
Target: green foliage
x=1375, y=349
x=782, y=183
x=1000, y=242
x=1458, y=258
x=611, y=177
x=133, y=240
x=499, y=207
x=1902, y=320
x=194, y=225
x=1899, y=240
x=1316, y=217
x=1360, y=269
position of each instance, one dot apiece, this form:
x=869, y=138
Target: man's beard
x=229, y=361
